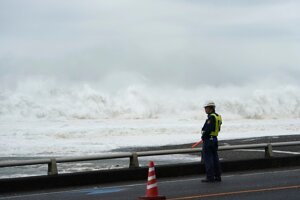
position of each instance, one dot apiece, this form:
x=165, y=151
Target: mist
x=180, y=43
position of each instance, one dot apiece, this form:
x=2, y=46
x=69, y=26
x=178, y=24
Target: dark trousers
x=211, y=158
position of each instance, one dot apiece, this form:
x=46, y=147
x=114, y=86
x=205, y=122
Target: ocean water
x=43, y=117
x=40, y=118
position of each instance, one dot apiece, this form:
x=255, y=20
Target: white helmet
x=209, y=104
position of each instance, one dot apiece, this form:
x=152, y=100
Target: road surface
x=275, y=185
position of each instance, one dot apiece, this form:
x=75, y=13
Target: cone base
x=153, y=198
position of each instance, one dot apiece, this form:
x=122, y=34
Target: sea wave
x=49, y=99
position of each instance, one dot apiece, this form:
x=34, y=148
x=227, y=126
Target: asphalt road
x=275, y=185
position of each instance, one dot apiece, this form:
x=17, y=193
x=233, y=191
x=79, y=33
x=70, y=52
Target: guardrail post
x=134, y=162
x=52, y=167
x=268, y=151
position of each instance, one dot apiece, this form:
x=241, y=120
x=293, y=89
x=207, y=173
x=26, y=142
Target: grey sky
x=184, y=42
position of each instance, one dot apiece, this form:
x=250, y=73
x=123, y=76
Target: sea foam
x=49, y=99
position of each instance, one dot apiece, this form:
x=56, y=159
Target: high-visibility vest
x=218, y=120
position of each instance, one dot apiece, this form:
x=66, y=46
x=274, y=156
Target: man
x=210, y=132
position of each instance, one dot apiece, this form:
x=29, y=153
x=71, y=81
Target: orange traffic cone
x=152, y=190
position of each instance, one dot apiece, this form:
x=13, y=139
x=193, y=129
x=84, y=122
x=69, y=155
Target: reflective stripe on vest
x=218, y=125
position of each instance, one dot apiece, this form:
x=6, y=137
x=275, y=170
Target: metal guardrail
x=134, y=163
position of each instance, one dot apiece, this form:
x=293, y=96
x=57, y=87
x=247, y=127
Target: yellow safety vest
x=218, y=125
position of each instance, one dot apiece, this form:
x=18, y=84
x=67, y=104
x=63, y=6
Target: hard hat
x=209, y=104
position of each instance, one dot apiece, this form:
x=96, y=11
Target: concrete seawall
x=131, y=174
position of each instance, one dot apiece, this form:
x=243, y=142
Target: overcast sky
x=181, y=42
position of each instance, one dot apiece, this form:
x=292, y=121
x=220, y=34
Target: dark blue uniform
x=210, y=150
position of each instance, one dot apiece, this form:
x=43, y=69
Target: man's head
x=209, y=107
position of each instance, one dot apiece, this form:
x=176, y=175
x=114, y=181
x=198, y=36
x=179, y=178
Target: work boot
x=207, y=180
x=218, y=179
